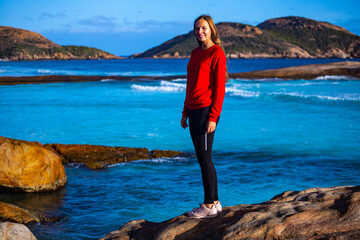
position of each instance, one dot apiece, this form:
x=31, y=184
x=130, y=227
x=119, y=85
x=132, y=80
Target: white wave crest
x=344, y=97
x=165, y=86
x=2, y=71
x=307, y=83
x=157, y=160
x=108, y=80
x=327, y=77
x=44, y=71
x=234, y=90
x=165, y=160
x=179, y=80
x=117, y=164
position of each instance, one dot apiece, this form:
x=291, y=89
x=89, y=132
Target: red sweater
x=206, y=81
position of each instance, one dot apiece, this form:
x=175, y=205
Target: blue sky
x=124, y=27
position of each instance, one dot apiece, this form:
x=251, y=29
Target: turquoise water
x=273, y=136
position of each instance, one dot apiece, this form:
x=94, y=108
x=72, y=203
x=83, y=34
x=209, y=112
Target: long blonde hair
x=214, y=35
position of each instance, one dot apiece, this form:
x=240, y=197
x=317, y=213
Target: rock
x=316, y=213
x=347, y=68
x=92, y=156
x=15, y=231
x=164, y=153
x=73, y=78
x=29, y=167
x=97, y=157
x=12, y=213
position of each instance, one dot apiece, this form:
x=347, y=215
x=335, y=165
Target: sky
x=125, y=27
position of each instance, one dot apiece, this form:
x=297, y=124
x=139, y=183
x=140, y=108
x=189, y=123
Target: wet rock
x=97, y=157
x=164, y=153
x=12, y=213
x=29, y=167
x=15, y=231
x=78, y=153
x=316, y=213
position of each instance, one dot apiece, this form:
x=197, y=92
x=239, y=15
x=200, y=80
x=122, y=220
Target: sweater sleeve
x=219, y=85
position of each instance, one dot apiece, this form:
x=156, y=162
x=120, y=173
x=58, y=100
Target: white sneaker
x=203, y=212
x=218, y=207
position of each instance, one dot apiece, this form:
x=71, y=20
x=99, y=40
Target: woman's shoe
x=218, y=207
x=203, y=212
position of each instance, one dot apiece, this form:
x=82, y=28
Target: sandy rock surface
x=317, y=213
x=15, y=231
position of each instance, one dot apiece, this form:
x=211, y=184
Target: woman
x=205, y=91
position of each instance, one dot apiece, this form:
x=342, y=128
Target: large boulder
x=29, y=167
x=316, y=213
x=15, y=231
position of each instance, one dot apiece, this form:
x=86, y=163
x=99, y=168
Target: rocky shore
x=316, y=213
x=347, y=68
x=31, y=167
x=312, y=71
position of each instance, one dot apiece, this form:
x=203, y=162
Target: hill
x=19, y=44
x=286, y=37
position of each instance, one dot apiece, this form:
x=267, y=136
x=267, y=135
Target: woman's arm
x=219, y=73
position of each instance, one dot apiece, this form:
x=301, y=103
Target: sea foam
x=327, y=77
x=42, y=71
x=165, y=86
x=344, y=97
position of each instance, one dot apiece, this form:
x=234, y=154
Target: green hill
x=287, y=37
x=19, y=44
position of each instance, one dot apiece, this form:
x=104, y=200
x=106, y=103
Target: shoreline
x=307, y=72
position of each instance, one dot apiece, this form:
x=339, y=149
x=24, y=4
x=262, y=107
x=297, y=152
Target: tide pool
x=273, y=136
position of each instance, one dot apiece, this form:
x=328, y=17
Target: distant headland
x=23, y=45
x=284, y=37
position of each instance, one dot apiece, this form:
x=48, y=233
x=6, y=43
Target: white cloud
x=99, y=21
x=104, y=24
x=52, y=15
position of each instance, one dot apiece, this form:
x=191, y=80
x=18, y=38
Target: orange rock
x=97, y=156
x=164, y=153
x=29, y=167
x=12, y=213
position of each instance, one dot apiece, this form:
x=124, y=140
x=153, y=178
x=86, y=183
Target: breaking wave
x=165, y=86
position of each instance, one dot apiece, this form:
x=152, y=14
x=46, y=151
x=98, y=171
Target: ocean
x=273, y=136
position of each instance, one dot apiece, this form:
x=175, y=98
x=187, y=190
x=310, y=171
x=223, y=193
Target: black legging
x=203, y=147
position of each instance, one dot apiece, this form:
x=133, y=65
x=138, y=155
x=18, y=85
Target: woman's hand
x=210, y=126
x=184, y=122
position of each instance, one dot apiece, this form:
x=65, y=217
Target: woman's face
x=202, y=31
